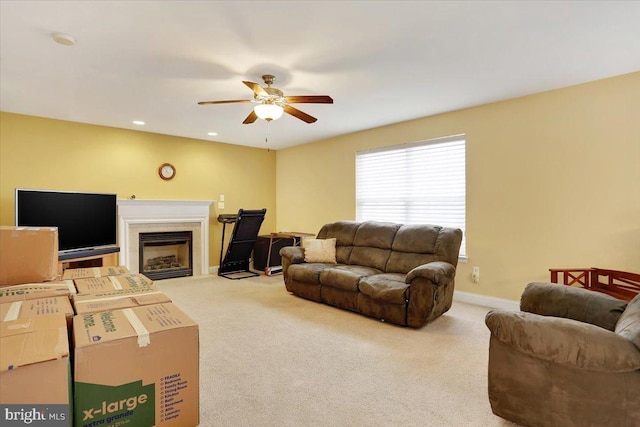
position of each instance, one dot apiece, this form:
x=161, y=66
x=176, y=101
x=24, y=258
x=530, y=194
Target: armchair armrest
x=438, y=272
x=293, y=254
x=549, y=299
x=564, y=341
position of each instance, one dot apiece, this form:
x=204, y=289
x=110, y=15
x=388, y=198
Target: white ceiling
x=382, y=62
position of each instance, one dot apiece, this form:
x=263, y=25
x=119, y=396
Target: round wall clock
x=167, y=171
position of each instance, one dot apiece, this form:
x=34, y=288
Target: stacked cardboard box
x=81, y=273
x=92, y=285
x=117, y=299
x=149, y=346
x=135, y=353
x=36, y=290
x=35, y=371
x=29, y=254
x=137, y=366
x=37, y=307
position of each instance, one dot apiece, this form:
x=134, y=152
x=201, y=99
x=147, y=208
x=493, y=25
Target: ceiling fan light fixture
x=268, y=112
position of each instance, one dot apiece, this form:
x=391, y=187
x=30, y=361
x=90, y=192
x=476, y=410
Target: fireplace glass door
x=165, y=255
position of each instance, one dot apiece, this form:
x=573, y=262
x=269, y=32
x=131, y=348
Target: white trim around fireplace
x=134, y=212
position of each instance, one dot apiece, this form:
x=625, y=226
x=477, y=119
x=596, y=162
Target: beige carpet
x=268, y=358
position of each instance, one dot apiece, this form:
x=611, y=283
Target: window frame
x=405, y=148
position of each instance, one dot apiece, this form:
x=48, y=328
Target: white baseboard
x=213, y=269
x=486, y=301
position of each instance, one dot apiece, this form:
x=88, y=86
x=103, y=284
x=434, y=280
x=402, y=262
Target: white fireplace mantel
x=133, y=213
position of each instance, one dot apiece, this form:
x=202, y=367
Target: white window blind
x=418, y=183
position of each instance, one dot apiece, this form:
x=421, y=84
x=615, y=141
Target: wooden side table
x=619, y=284
x=274, y=239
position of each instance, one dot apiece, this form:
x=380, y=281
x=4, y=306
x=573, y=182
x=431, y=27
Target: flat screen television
x=85, y=221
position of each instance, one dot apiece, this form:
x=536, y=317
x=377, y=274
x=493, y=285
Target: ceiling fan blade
x=299, y=114
x=309, y=99
x=252, y=117
x=223, y=102
x=256, y=88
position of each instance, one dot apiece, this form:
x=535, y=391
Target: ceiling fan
x=271, y=102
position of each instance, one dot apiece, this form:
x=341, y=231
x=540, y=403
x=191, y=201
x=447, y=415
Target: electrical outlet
x=221, y=198
x=220, y=205
x=475, y=274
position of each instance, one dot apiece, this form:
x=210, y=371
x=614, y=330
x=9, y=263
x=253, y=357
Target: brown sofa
x=403, y=274
x=571, y=357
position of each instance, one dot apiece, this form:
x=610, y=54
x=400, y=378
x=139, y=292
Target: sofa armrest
x=438, y=272
x=564, y=341
x=290, y=255
x=431, y=292
x=550, y=299
x=293, y=254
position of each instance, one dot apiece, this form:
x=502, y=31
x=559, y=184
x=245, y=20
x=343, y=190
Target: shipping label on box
x=36, y=307
x=118, y=299
x=35, y=373
x=136, y=366
x=92, y=285
x=36, y=290
x=29, y=254
x=81, y=273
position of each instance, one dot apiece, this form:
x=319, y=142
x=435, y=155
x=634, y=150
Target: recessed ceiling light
x=138, y=122
x=212, y=133
x=64, y=39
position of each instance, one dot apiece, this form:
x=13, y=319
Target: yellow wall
x=553, y=180
x=60, y=155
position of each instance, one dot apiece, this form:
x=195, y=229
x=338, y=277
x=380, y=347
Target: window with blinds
x=417, y=183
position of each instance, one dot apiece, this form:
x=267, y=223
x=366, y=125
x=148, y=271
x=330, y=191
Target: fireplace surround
x=158, y=216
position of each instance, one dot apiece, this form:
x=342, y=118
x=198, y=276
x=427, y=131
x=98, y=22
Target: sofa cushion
x=344, y=232
x=345, y=276
x=308, y=273
x=412, y=246
x=385, y=287
x=629, y=322
x=370, y=257
x=374, y=234
x=372, y=244
x=402, y=262
x=416, y=238
x=320, y=250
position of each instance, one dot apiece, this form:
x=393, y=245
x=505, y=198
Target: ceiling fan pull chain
x=266, y=136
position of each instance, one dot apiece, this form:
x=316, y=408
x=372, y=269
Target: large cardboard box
x=118, y=299
x=37, y=307
x=28, y=254
x=92, y=285
x=137, y=367
x=80, y=273
x=37, y=290
x=35, y=374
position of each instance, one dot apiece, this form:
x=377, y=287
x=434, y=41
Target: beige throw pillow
x=320, y=250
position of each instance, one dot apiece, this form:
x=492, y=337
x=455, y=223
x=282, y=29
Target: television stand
x=103, y=257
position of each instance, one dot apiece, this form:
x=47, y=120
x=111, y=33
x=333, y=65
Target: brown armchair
x=571, y=357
